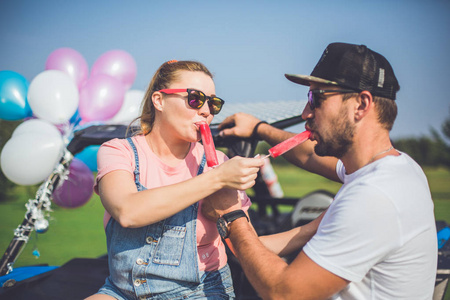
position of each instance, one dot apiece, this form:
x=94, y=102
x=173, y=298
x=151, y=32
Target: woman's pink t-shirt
x=117, y=154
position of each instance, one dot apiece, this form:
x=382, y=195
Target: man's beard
x=337, y=142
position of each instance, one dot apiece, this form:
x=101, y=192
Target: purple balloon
x=77, y=189
x=70, y=62
x=118, y=64
x=100, y=98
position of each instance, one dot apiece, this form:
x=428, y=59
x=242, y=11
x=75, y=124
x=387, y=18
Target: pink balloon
x=77, y=189
x=100, y=98
x=69, y=61
x=118, y=64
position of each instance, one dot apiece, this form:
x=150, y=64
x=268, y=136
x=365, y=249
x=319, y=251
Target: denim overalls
x=159, y=261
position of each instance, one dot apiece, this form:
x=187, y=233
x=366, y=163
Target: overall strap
x=136, y=159
x=202, y=165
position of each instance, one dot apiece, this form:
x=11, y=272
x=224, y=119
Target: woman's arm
x=131, y=208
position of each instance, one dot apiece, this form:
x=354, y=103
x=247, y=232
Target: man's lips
x=312, y=135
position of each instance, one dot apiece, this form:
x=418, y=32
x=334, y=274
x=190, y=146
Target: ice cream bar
x=288, y=144
x=208, y=144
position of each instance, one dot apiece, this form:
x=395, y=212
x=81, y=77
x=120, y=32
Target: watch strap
x=236, y=214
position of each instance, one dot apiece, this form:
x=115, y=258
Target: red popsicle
x=208, y=144
x=290, y=143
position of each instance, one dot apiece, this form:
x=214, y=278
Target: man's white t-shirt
x=380, y=232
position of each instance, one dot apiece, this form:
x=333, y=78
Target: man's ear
x=364, y=104
x=158, y=101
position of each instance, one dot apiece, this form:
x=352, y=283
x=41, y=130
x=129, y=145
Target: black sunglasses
x=196, y=99
x=314, y=99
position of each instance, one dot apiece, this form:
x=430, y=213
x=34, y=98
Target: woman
x=159, y=245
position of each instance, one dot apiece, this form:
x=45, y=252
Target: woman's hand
x=239, y=173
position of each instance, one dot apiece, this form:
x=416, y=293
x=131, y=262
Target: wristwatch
x=226, y=219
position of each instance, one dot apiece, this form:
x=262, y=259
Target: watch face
x=222, y=227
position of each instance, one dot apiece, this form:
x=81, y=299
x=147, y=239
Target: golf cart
x=81, y=277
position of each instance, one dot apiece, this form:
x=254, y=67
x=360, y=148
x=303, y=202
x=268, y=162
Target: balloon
x=13, y=96
x=30, y=158
x=118, y=64
x=77, y=189
x=100, y=98
x=53, y=96
x=130, y=108
x=89, y=156
x=70, y=62
x=37, y=126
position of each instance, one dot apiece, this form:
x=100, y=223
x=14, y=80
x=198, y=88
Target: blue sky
x=248, y=45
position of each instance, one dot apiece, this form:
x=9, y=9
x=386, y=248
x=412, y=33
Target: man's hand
x=239, y=124
x=220, y=203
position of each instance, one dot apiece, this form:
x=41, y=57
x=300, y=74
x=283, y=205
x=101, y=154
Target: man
x=377, y=240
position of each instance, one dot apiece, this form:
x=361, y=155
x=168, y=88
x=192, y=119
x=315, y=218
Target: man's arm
x=268, y=273
x=303, y=156
x=272, y=277
x=285, y=243
x=282, y=244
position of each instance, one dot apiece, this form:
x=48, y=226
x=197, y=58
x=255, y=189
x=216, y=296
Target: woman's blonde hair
x=166, y=74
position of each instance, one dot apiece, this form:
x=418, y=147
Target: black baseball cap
x=355, y=67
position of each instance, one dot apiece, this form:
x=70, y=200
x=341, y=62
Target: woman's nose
x=204, y=110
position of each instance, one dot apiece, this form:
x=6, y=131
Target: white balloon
x=53, y=96
x=30, y=158
x=37, y=126
x=130, y=108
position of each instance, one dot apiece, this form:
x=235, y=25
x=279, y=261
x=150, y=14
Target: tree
x=428, y=151
x=446, y=128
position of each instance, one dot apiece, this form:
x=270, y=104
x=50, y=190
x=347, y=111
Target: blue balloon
x=13, y=96
x=89, y=156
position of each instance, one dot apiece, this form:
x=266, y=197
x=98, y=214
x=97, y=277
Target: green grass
x=72, y=232
x=439, y=181
x=297, y=182
x=79, y=232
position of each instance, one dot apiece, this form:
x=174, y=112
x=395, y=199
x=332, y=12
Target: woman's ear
x=158, y=101
x=364, y=104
